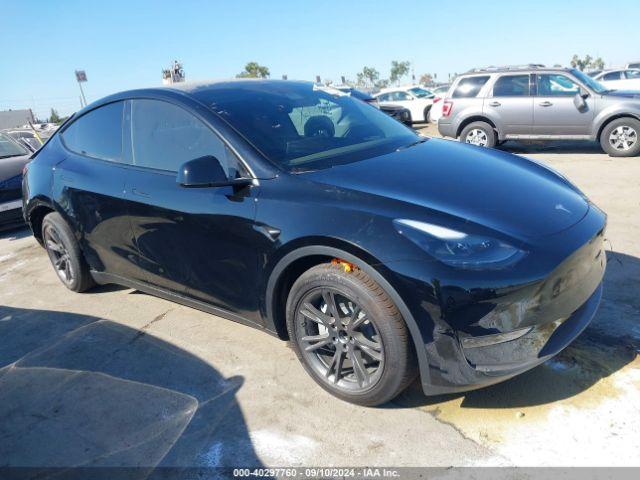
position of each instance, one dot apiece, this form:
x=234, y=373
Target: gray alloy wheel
x=65, y=255
x=619, y=138
x=349, y=335
x=480, y=134
x=339, y=341
x=477, y=137
x=623, y=138
x=59, y=255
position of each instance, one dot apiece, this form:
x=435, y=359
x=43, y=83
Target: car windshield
x=589, y=82
x=9, y=148
x=421, y=92
x=302, y=127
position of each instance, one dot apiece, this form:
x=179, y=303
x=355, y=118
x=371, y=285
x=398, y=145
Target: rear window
x=98, y=133
x=469, y=87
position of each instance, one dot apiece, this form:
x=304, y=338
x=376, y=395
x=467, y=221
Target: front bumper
x=504, y=333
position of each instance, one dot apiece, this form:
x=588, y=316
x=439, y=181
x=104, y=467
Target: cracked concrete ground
x=116, y=377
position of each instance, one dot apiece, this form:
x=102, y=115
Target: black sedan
x=13, y=158
x=378, y=253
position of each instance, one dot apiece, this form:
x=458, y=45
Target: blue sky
x=125, y=44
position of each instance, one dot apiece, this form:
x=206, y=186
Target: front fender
x=421, y=332
x=610, y=113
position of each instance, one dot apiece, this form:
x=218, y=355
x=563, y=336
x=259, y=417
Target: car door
x=90, y=186
x=511, y=105
x=194, y=242
x=554, y=111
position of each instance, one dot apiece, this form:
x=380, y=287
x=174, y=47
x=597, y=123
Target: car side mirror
x=205, y=172
x=580, y=102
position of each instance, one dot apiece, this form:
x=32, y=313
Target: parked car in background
x=633, y=65
x=488, y=106
x=26, y=138
x=438, y=100
x=416, y=99
x=13, y=158
x=620, y=79
x=348, y=235
x=399, y=113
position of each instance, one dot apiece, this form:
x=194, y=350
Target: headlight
x=459, y=249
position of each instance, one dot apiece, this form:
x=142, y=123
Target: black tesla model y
x=379, y=254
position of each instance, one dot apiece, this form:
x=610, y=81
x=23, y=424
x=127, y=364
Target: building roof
x=15, y=118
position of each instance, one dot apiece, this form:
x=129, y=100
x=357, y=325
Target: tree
x=368, y=77
x=54, y=117
x=426, y=79
x=598, y=64
x=398, y=70
x=586, y=63
x=254, y=70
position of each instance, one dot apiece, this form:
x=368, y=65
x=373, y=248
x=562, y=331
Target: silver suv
x=489, y=106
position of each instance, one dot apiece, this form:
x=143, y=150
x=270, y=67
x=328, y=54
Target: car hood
x=495, y=189
x=625, y=94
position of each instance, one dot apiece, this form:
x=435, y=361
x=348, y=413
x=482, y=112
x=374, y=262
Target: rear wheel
x=64, y=253
x=349, y=335
x=427, y=114
x=480, y=134
x=621, y=137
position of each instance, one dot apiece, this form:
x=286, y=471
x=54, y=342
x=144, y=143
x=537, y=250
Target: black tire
x=377, y=314
x=488, y=136
x=627, y=145
x=64, y=253
x=427, y=115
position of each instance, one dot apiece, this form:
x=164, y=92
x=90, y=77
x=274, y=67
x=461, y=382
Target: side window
x=164, y=136
x=469, y=87
x=556, y=85
x=402, y=96
x=611, y=76
x=632, y=74
x=384, y=97
x=512, y=86
x=98, y=133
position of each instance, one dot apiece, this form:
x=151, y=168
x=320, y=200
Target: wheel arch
x=35, y=215
x=297, y=261
x=426, y=111
x=613, y=117
x=475, y=118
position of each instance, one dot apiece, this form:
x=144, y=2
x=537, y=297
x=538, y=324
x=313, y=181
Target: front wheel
x=620, y=138
x=480, y=134
x=349, y=335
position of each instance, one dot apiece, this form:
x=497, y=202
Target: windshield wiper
x=412, y=144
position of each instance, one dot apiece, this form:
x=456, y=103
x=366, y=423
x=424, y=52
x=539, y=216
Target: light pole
x=81, y=76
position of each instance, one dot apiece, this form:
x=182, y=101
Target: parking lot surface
x=117, y=377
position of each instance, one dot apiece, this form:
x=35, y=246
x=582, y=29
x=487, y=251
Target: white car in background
x=436, y=110
x=633, y=65
x=621, y=79
x=416, y=99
